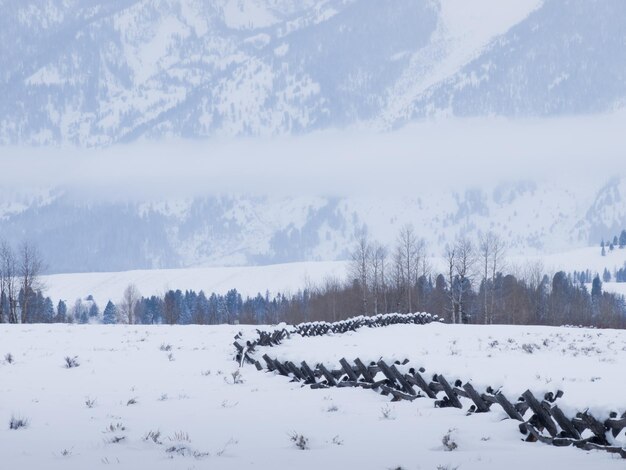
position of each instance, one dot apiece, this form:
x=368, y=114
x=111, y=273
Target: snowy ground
x=248, y=280
x=190, y=398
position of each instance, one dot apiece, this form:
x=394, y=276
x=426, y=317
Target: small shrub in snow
x=299, y=440
x=448, y=441
x=154, y=436
x=165, y=347
x=236, y=378
x=180, y=436
x=66, y=453
x=229, y=443
x=116, y=439
x=8, y=358
x=337, y=441
x=71, y=362
x=529, y=348
x=132, y=401
x=115, y=427
x=206, y=373
x=90, y=402
x=17, y=422
x=170, y=357
x=387, y=412
x=163, y=397
x=332, y=408
x=446, y=467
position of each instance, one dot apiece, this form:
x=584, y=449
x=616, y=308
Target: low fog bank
x=437, y=154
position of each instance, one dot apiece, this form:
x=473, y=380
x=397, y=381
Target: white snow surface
x=192, y=402
x=248, y=280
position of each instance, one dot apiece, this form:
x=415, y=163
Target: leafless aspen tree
x=30, y=267
x=491, y=252
x=129, y=301
x=8, y=282
x=359, y=268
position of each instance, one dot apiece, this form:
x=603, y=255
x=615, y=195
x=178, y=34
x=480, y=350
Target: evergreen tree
x=48, y=310
x=596, y=288
x=61, y=312
x=606, y=276
x=603, y=249
x=94, y=311
x=109, y=317
x=622, y=239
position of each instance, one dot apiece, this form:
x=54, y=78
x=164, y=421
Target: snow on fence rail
x=319, y=328
x=547, y=423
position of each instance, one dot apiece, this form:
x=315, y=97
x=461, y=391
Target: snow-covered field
x=248, y=280
x=137, y=386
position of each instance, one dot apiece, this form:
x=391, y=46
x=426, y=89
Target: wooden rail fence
x=540, y=419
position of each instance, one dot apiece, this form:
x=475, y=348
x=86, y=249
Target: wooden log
x=270, y=363
x=508, y=408
x=308, y=372
x=454, y=400
x=397, y=394
x=615, y=424
x=542, y=414
x=418, y=380
x=295, y=370
x=329, y=377
x=406, y=386
x=596, y=427
x=346, y=367
x=258, y=365
x=387, y=371
x=282, y=370
x=564, y=422
x=481, y=405
x=364, y=371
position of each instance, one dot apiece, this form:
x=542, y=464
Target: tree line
x=474, y=286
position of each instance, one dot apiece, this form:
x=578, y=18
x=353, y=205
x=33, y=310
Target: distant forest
x=475, y=288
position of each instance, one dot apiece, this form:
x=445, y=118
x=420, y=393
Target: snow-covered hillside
x=76, y=235
x=96, y=73
x=163, y=398
x=292, y=277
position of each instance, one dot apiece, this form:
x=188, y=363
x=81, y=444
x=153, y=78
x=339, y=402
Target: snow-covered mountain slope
x=532, y=217
x=95, y=73
x=559, y=60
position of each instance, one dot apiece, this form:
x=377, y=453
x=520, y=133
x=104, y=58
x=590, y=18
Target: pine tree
x=606, y=276
x=596, y=288
x=48, y=310
x=61, y=312
x=622, y=239
x=109, y=317
x=603, y=249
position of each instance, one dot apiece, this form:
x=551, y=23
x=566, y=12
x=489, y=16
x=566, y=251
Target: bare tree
x=8, y=283
x=359, y=268
x=450, y=257
x=464, y=267
x=30, y=267
x=377, y=274
x=129, y=301
x=410, y=255
x=491, y=253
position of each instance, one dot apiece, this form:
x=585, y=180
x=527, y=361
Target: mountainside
x=96, y=73
x=532, y=217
